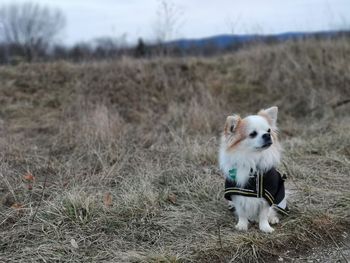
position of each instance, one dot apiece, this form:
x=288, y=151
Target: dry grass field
x=117, y=161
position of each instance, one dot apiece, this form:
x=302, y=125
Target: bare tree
x=168, y=22
x=31, y=26
x=232, y=24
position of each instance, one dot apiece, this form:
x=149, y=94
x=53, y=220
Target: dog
x=248, y=156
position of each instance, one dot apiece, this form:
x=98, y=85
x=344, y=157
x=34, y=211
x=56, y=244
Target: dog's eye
x=269, y=130
x=253, y=134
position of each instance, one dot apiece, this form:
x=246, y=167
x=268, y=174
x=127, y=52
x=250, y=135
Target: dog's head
x=255, y=133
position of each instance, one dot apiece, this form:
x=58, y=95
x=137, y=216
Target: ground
x=116, y=161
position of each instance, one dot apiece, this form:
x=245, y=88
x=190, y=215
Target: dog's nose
x=267, y=137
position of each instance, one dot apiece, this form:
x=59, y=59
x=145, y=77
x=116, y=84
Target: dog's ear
x=231, y=124
x=270, y=114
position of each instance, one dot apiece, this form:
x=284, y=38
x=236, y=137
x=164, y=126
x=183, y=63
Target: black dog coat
x=269, y=185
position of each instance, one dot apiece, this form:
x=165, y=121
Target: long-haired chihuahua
x=248, y=157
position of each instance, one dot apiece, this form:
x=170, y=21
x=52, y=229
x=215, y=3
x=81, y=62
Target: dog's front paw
x=241, y=226
x=274, y=220
x=266, y=228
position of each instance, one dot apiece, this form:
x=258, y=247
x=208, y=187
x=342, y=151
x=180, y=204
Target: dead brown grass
x=147, y=133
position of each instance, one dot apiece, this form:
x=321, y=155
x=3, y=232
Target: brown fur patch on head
x=231, y=124
x=238, y=135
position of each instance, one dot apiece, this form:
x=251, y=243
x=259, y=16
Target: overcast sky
x=87, y=19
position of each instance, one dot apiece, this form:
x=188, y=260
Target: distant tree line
x=29, y=32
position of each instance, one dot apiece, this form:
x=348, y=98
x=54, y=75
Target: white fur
x=247, y=156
